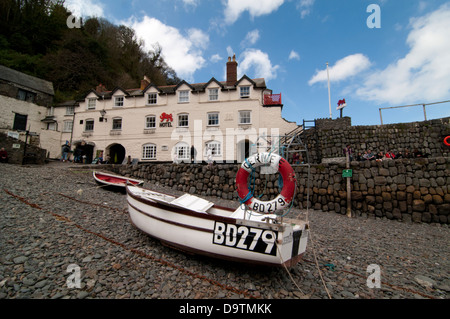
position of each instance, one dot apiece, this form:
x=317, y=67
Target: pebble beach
x=56, y=223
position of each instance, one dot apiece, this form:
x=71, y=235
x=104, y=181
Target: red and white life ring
x=279, y=164
x=447, y=140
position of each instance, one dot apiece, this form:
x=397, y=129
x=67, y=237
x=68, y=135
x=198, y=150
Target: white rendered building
x=164, y=123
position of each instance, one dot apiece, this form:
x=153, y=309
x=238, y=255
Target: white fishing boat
x=196, y=225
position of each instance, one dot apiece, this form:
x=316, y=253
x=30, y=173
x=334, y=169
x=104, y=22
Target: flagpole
x=329, y=95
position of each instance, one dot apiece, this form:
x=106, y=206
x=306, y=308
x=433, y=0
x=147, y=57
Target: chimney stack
x=100, y=88
x=232, y=71
x=145, y=82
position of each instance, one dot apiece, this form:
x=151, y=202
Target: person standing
x=193, y=153
x=65, y=151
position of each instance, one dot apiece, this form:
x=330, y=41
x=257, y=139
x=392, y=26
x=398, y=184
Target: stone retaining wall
x=404, y=189
x=329, y=137
x=15, y=150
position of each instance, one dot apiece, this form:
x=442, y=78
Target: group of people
x=371, y=156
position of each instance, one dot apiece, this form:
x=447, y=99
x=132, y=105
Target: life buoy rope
x=279, y=164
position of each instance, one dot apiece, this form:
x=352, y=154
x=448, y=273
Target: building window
x=213, y=119
x=117, y=123
x=183, y=120
x=244, y=91
x=152, y=98
x=182, y=151
x=91, y=104
x=213, y=94
x=25, y=95
x=51, y=126
x=183, y=96
x=70, y=110
x=150, y=121
x=216, y=148
x=149, y=151
x=20, y=122
x=68, y=125
x=118, y=101
x=89, y=125
x=245, y=117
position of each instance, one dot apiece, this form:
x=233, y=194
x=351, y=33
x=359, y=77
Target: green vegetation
x=35, y=39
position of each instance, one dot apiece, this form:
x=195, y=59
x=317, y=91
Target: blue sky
x=288, y=42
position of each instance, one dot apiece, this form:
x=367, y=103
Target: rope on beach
x=134, y=250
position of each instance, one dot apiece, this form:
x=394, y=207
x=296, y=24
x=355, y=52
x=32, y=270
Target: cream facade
x=225, y=121
x=57, y=128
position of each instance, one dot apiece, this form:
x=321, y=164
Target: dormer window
x=244, y=91
x=213, y=94
x=152, y=98
x=70, y=110
x=118, y=101
x=183, y=96
x=91, y=104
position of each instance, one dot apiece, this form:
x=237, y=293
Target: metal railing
x=422, y=104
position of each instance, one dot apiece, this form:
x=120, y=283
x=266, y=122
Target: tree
x=35, y=39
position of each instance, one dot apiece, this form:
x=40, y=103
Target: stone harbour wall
x=15, y=150
x=403, y=189
x=328, y=138
x=411, y=190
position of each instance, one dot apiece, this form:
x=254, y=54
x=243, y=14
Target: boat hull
x=115, y=182
x=217, y=235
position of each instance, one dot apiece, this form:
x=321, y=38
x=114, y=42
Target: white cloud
x=85, y=8
x=424, y=73
x=294, y=55
x=182, y=52
x=251, y=38
x=215, y=58
x=198, y=38
x=305, y=7
x=343, y=69
x=258, y=63
x=256, y=8
x=190, y=2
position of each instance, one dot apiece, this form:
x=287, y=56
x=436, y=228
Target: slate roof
x=26, y=80
x=171, y=89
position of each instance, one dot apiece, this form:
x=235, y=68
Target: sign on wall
x=167, y=118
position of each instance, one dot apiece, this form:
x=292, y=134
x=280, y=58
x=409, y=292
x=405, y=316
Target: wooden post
x=25, y=147
x=349, y=192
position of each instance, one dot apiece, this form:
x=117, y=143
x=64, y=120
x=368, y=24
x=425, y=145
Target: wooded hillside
x=35, y=39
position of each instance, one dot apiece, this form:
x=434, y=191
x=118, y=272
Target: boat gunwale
x=95, y=173
x=180, y=210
